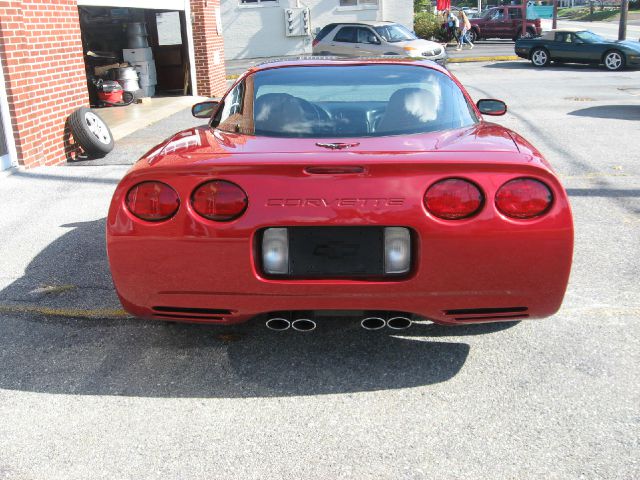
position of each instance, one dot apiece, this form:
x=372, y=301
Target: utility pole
x=622, y=30
x=554, y=23
x=524, y=18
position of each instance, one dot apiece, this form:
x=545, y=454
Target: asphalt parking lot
x=110, y=397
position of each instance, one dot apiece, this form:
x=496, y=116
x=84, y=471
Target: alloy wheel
x=539, y=58
x=97, y=127
x=613, y=61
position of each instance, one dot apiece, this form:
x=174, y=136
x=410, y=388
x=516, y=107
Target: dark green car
x=578, y=46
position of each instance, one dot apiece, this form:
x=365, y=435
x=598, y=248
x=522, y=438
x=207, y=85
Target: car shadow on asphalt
x=617, y=112
x=156, y=359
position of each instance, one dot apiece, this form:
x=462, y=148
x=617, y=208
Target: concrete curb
x=496, y=58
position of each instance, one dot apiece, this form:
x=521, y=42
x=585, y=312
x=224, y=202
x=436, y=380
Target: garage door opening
x=144, y=50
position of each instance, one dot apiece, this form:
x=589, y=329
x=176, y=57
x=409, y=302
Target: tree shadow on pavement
x=617, y=112
x=156, y=359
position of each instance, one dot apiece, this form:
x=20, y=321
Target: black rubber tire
x=623, y=60
x=472, y=35
x=87, y=139
x=540, y=49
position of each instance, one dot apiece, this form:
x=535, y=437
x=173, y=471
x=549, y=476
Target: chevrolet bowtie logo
x=336, y=250
x=337, y=146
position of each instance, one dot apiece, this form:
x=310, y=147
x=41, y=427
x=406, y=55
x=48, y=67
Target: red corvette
x=354, y=188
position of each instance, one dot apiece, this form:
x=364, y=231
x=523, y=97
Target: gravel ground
x=556, y=398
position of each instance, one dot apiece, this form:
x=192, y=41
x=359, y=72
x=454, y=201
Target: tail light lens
x=524, y=198
x=453, y=199
x=153, y=201
x=219, y=200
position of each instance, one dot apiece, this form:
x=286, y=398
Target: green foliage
x=427, y=25
x=584, y=13
x=421, y=5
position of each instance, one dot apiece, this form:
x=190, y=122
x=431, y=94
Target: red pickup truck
x=502, y=22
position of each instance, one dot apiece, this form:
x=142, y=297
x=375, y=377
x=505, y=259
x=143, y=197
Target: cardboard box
x=101, y=70
x=136, y=55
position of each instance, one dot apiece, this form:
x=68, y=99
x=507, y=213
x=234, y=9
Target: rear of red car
x=466, y=225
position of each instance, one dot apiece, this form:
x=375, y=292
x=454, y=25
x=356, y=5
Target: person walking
x=466, y=26
x=454, y=26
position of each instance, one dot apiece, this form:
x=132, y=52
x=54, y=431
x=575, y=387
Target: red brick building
x=43, y=74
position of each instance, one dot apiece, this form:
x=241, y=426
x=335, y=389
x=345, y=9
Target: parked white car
x=366, y=39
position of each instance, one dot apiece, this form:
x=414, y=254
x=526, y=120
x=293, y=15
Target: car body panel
x=577, y=52
x=503, y=22
x=350, y=40
x=188, y=268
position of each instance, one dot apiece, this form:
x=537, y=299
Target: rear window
x=325, y=31
x=344, y=101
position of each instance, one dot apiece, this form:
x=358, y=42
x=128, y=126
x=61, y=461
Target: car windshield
x=345, y=101
x=589, y=37
x=395, y=33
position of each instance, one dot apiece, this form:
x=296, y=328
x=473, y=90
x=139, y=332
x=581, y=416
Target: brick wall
x=41, y=51
x=209, y=48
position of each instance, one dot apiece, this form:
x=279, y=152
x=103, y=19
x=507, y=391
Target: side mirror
x=373, y=39
x=204, y=109
x=489, y=106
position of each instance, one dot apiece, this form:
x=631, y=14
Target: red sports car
x=371, y=189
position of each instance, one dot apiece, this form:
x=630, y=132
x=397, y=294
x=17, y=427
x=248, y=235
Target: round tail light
x=453, y=199
x=152, y=201
x=524, y=198
x=219, y=200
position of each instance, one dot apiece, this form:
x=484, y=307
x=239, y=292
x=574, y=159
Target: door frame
x=180, y=5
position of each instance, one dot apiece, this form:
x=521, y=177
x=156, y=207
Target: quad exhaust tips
x=279, y=324
x=394, y=323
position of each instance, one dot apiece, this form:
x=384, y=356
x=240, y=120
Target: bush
x=427, y=25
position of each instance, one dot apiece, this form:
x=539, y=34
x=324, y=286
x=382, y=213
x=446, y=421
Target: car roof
x=548, y=35
x=369, y=23
x=315, y=61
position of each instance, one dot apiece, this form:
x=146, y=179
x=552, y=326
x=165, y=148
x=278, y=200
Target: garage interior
x=107, y=41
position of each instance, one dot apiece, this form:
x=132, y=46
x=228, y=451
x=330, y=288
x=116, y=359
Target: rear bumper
x=174, y=269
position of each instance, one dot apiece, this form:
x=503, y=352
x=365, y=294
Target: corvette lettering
x=335, y=202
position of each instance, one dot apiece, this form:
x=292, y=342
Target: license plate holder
x=334, y=252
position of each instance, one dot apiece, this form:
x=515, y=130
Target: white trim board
x=11, y=158
x=151, y=5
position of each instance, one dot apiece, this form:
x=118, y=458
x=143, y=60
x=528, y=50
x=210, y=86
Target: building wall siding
x=259, y=31
x=45, y=79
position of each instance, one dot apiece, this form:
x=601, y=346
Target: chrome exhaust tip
x=373, y=323
x=278, y=324
x=399, y=323
x=303, y=325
